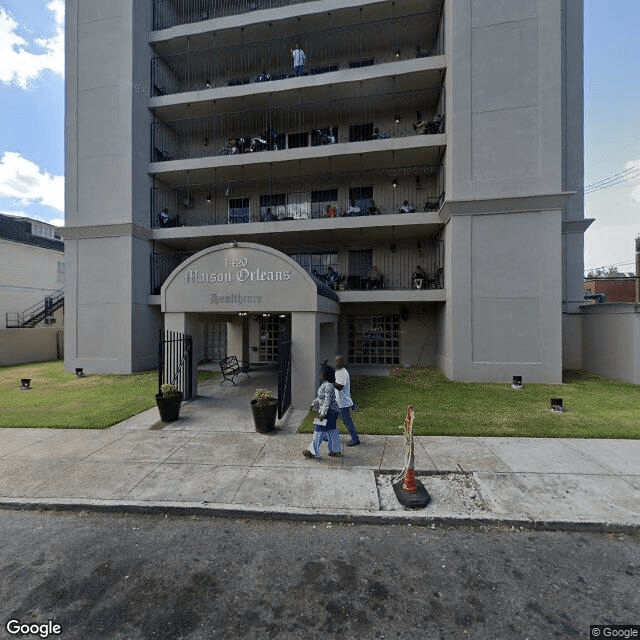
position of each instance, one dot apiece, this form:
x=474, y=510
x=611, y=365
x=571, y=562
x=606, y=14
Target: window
x=298, y=140
x=358, y=132
x=215, y=340
x=362, y=196
x=298, y=206
x=268, y=339
x=360, y=262
x=328, y=135
x=42, y=230
x=273, y=207
x=321, y=199
x=238, y=210
x=356, y=64
x=61, y=276
x=317, y=261
x=374, y=339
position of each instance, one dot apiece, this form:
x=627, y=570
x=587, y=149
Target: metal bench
x=231, y=368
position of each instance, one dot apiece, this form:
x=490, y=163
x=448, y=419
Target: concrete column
x=305, y=349
x=328, y=341
x=235, y=338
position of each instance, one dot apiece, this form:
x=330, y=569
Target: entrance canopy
x=244, y=277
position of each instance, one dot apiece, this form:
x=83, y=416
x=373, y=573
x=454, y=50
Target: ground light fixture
x=25, y=384
x=556, y=405
x=517, y=383
x=79, y=372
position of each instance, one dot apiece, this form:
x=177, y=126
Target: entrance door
x=215, y=340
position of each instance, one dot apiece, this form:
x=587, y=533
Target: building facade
x=615, y=289
x=429, y=152
x=32, y=270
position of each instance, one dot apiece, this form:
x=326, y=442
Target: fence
x=377, y=192
x=170, y=13
x=175, y=352
x=336, y=48
x=365, y=118
x=396, y=261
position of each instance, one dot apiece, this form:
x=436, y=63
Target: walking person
x=343, y=398
x=298, y=59
x=327, y=407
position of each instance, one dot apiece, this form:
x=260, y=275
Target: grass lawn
x=594, y=407
x=60, y=399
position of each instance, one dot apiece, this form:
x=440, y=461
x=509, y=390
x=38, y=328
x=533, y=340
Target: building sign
x=239, y=278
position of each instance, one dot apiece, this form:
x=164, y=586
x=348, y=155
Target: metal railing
x=175, y=355
x=386, y=191
x=37, y=313
x=170, y=13
x=373, y=117
x=397, y=263
x=340, y=47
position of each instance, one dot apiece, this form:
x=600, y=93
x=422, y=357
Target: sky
x=32, y=120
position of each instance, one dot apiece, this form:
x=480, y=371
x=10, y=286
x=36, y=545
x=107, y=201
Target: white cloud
x=20, y=64
x=24, y=181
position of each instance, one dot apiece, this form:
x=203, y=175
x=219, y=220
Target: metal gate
x=284, y=371
x=175, y=367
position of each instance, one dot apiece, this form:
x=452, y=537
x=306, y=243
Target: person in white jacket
x=343, y=398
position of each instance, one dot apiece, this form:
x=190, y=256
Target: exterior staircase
x=37, y=313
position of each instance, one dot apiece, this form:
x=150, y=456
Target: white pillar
x=305, y=349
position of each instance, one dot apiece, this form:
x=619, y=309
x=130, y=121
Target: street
x=127, y=576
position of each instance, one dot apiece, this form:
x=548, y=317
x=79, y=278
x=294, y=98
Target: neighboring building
x=32, y=269
x=436, y=133
x=616, y=289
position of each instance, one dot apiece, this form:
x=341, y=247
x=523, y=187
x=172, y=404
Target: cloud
x=24, y=181
x=18, y=213
x=20, y=64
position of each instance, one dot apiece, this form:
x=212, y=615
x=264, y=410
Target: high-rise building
x=422, y=157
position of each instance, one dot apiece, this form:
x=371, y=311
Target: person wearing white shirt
x=343, y=398
x=298, y=59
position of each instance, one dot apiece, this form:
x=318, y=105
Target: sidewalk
x=212, y=461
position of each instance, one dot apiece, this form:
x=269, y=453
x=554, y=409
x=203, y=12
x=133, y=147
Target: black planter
x=264, y=417
x=169, y=408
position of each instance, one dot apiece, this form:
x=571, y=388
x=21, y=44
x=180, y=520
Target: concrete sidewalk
x=212, y=461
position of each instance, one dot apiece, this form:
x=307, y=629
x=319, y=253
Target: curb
x=297, y=514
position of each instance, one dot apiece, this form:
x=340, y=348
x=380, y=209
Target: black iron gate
x=175, y=367
x=284, y=371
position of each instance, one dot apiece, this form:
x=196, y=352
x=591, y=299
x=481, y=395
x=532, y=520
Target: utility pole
x=637, y=269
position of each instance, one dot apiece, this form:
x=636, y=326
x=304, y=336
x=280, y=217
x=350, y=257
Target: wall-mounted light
x=397, y=53
x=226, y=191
x=266, y=315
x=394, y=184
x=282, y=316
x=208, y=84
x=397, y=118
x=208, y=198
x=205, y=141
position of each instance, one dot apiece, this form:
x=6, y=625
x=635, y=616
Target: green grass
x=594, y=407
x=61, y=400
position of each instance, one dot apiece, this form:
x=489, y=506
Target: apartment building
x=397, y=181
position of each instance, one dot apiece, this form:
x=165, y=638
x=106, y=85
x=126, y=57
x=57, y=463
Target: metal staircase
x=37, y=313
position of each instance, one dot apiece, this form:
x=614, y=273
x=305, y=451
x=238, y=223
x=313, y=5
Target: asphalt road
x=108, y=576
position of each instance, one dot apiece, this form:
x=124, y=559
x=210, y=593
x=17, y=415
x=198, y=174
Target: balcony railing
x=407, y=190
x=170, y=13
x=374, y=117
x=401, y=266
x=341, y=47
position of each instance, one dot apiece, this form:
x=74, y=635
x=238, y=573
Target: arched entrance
x=240, y=280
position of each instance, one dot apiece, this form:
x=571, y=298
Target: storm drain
x=452, y=493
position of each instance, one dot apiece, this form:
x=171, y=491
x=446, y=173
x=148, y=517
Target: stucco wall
x=611, y=341
x=18, y=346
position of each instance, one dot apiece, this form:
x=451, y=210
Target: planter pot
x=169, y=408
x=264, y=417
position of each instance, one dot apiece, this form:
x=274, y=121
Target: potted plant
x=169, y=400
x=264, y=408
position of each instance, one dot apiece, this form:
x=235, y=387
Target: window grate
x=374, y=340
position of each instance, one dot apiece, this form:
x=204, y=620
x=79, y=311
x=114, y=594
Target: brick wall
x=616, y=289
